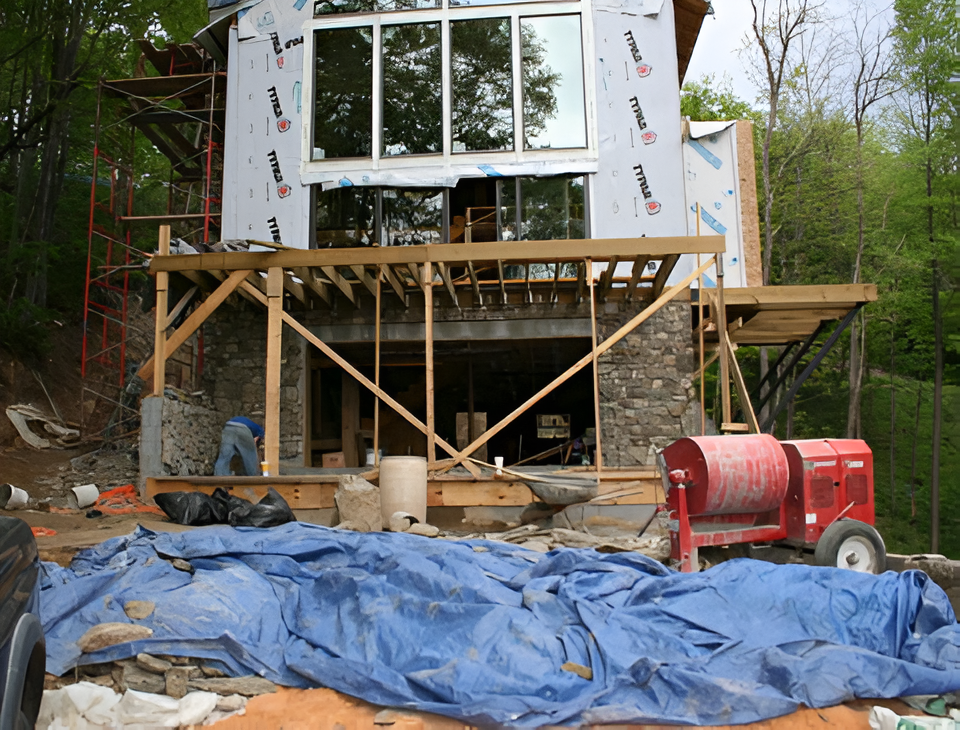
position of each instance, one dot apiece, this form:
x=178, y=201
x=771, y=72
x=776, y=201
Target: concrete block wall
x=647, y=399
x=234, y=375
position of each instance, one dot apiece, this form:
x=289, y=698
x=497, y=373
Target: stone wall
x=646, y=394
x=234, y=374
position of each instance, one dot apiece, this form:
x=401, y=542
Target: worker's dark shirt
x=255, y=428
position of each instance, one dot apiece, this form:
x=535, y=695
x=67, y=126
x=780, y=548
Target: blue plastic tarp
x=480, y=630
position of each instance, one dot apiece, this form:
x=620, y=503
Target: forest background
x=856, y=136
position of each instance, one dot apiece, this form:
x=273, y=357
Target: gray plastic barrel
x=403, y=487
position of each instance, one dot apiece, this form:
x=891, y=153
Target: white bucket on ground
x=83, y=496
x=12, y=497
x=403, y=487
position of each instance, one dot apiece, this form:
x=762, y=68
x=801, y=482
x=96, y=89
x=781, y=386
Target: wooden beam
x=599, y=249
x=193, y=322
x=376, y=373
x=306, y=275
x=357, y=375
x=606, y=278
x=271, y=401
x=503, y=287
x=720, y=316
x=581, y=280
x=812, y=295
x=448, y=282
x=749, y=215
x=596, y=371
x=556, y=280
x=338, y=281
x=181, y=305
x=296, y=289
x=365, y=278
x=160, y=323
x=477, y=297
x=394, y=283
x=639, y=266
x=415, y=273
x=742, y=393
x=663, y=273
x=584, y=361
x=427, y=273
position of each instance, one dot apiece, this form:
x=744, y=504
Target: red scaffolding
x=179, y=111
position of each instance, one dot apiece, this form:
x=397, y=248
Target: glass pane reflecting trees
x=412, y=90
x=346, y=217
x=482, y=78
x=343, y=112
x=412, y=216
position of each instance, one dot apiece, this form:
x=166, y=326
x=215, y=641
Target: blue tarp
x=479, y=630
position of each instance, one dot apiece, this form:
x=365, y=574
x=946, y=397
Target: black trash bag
x=192, y=508
x=270, y=511
x=227, y=501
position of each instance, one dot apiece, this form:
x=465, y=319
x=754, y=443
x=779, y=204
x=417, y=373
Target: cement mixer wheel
x=852, y=545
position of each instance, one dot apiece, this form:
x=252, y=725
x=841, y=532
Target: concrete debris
x=103, y=635
x=212, y=672
x=153, y=664
x=351, y=526
x=231, y=703
x=181, y=564
x=22, y=416
x=401, y=521
x=423, y=529
x=538, y=546
x=131, y=676
x=176, y=680
x=358, y=502
x=247, y=686
x=138, y=609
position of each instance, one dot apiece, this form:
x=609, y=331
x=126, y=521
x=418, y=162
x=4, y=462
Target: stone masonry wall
x=191, y=438
x=235, y=351
x=646, y=394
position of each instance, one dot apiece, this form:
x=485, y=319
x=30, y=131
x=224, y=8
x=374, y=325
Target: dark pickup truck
x=22, y=650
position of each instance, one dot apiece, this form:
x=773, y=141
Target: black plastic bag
x=192, y=508
x=270, y=511
x=197, y=509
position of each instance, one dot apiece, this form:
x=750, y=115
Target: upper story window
x=394, y=79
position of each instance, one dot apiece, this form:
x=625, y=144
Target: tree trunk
x=913, y=454
x=937, y=411
x=893, y=417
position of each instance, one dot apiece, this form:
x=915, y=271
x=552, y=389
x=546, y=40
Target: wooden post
x=703, y=384
x=160, y=328
x=720, y=317
x=596, y=371
x=742, y=393
x=350, y=421
x=376, y=375
x=272, y=397
x=427, y=273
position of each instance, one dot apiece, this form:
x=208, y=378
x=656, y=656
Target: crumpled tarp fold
x=480, y=630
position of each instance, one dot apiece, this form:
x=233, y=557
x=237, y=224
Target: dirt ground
x=324, y=709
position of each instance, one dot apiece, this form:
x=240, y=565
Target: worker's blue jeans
x=237, y=440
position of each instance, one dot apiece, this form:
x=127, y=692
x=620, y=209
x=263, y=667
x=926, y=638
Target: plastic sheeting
x=480, y=630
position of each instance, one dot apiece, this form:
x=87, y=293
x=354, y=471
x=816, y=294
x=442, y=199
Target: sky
x=722, y=36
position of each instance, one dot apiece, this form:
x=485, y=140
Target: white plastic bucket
x=403, y=487
x=12, y=497
x=83, y=496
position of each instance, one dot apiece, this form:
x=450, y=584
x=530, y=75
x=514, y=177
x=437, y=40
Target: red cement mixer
x=818, y=494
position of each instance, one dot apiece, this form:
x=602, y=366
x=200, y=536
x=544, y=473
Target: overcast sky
x=722, y=36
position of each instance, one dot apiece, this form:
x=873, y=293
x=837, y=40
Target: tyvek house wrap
x=635, y=173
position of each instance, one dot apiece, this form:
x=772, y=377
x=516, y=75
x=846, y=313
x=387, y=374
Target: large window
x=459, y=80
x=477, y=209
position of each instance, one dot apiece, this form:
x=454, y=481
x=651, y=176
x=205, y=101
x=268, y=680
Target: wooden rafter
x=478, y=298
x=581, y=280
x=342, y=284
x=448, y=283
x=663, y=273
x=639, y=266
x=503, y=287
x=365, y=278
x=606, y=279
x=394, y=283
x=313, y=283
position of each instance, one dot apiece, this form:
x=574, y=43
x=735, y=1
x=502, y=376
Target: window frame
x=317, y=170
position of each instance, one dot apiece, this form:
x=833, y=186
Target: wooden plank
x=486, y=494
x=477, y=297
x=160, y=321
x=639, y=266
x=296, y=289
x=298, y=495
x=599, y=249
x=362, y=379
x=394, y=283
x=749, y=214
x=181, y=305
x=448, y=283
x=338, y=281
x=581, y=280
x=812, y=295
x=585, y=360
x=376, y=373
x=271, y=425
x=349, y=420
x=734, y=427
x=742, y=393
x=427, y=273
x=310, y=280
x=663, y=273
x=415, y=273
x=606, y=278
x=502, y=279
x=196, y=318
x=365, y=278
x=596, y=372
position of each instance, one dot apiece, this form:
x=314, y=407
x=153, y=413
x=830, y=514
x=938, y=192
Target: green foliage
x=709, y=100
